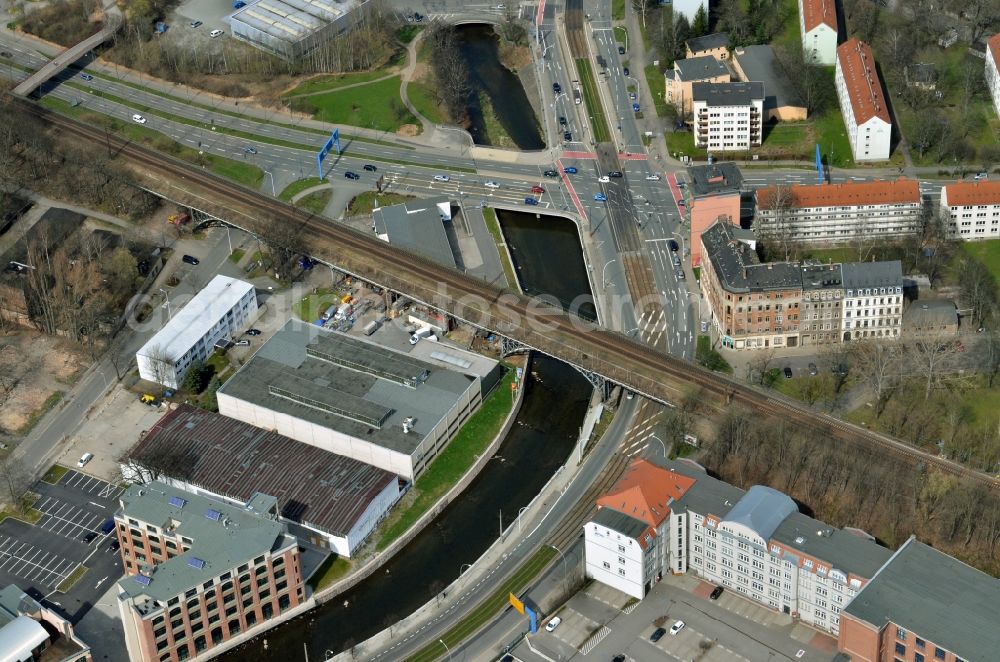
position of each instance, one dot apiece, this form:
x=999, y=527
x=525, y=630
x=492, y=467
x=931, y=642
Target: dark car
x=370, y=168
x=550, y=173
x=249, y=149
x=567, y=136
x=253, y=332
x=557, y=88
x=562, y=121
x=90, y=536
x=108, y=526
x=788, y=372
x=195, y=24
x=352, y=175
x=625, y=70
x=569, y=170
x=418, y=17
x=618, y=658
x=615, y=173
x=6, y=54
x=657, y=634
x=113, y=547
x=621, y=50
x=673, y=245
x=813, y=370
x=530, y=201
x=86, y=77
x=191, y=259
x=716, y=592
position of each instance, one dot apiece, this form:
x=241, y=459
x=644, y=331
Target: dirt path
x=405, y=76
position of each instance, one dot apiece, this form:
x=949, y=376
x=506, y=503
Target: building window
x=918, y=657
x=920, y=643
x=939, y=653
x=900, y=649
x=234, y=627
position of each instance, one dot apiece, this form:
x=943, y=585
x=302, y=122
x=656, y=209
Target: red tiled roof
x=961, y=194
x=645, y=491
x=846, y=194
x=815, y=12
x=235, y=459
x=993, y=44
x=863, y=85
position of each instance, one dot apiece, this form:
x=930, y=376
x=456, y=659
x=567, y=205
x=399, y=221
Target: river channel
x=539, y=442
x=479, y=47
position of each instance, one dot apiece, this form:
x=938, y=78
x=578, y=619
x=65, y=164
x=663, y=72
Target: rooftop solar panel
x=177, y=502
x=195, y=562
x=213, y=515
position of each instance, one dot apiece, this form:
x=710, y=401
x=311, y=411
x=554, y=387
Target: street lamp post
x=663, y=445
x=562, y=557
x=268, y=173
x=446, y=648
x=166, y=297
x=463, y=567
x=604, y=272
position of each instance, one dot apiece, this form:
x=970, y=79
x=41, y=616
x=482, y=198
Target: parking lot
x=602, y=623
x=39, y=558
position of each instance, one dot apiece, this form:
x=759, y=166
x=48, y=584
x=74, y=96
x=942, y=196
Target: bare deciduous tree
x=876, y=363
x=16, y=480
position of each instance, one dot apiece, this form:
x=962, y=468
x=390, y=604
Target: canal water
x=479, y=47
x=555, y=402
x=548, y=258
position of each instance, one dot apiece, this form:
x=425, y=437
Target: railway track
x=571, y=525
x=565, y=337
x=574, y=29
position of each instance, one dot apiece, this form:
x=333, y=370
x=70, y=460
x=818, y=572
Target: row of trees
x=858, y=486
x=752, y=21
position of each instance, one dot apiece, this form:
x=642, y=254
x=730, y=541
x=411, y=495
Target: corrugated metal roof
x=236, y=460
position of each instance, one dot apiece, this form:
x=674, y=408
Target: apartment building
x=923, y=606
x=713, y=45
x=993, y=69
x=840, y=212
x=714, y=192
x=873, y=300
x=862, y=102
x=818, y=27
x=200, y=571
x=727, y=116
x=822, y=304
x=973, y=209
x=702, y=69
x=756, y=543
x=220, y=310
x=754, y=305
x=633, y=537
x=758, y=305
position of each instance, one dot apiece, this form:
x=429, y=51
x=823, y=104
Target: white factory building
x=293, y=28
x=395, y=408
x=220, y=310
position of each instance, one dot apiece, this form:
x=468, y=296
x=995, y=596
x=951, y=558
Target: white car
x=491, y=185
x=652, y=178
x=676, y=627
x=442, y=178
x=138, y=119
x=216, y=33
x=553, y=624
x=604, y=179
x=499, y=7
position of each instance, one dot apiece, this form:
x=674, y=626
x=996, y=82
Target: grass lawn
x=315, y=202
x=364, y=203
x=424, y=99
x=494, y=227
x=244, y=173
x=656, y=84
x=408, y=33
x=597, y=121
x=987, y=252
x=791, y=35
x=373, y=106
x=298, y=186
x=682, y=142
x=621, y=36
x=333, y=82
x=73, y=578
x=618, y=10
x=710, y=358
x=831, y=135
x=488, y=608
x=311, y=307
x=810, y=389
x=786, y=134
x=333, y=568
x=237, y=255
x=219, y=361
x=448, y=467
x=55, y=474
